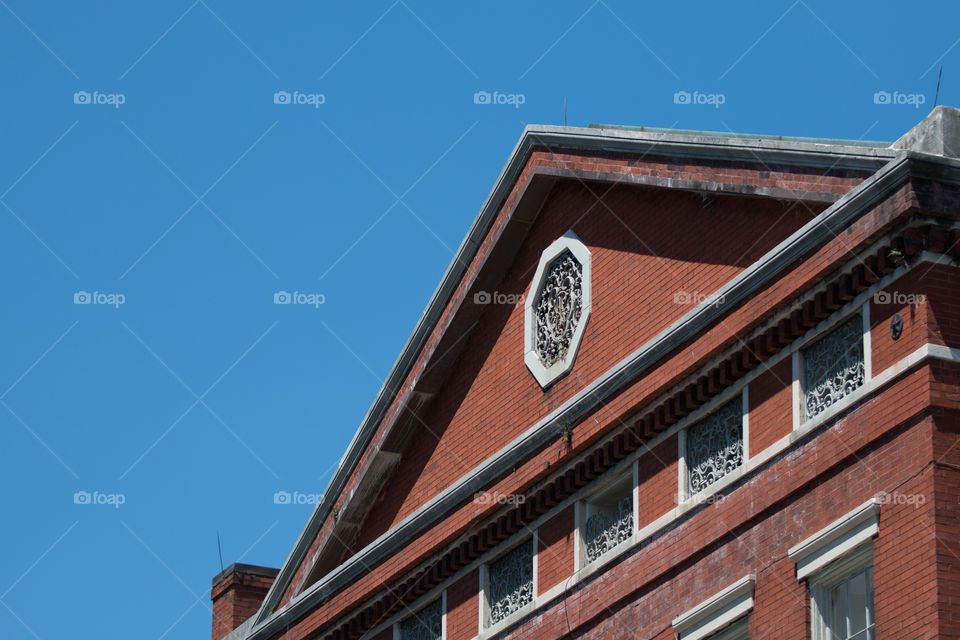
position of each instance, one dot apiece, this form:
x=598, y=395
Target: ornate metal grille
x=715, y=445
x=833, y=366
x=426, y=624
x=511, y=582
x=604, y=531
x=558, y=308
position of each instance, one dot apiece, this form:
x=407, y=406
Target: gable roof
x=868, y=157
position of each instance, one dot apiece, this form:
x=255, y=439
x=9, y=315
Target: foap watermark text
x=495, y=297
x=98, y=97
x=699, y=498
x=511, y=99
x=99, y=297
x=897, y=297
x=296, y=497
x=299, y=98
x=299, y=298
x=898, y=98
x=915, y=499
x=97, y=498
x=696, y=297
x=699, y=98
x=488, y=497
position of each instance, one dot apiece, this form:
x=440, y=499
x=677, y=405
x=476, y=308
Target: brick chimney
x=237, y=594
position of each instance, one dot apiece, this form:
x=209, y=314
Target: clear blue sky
x=198, y=198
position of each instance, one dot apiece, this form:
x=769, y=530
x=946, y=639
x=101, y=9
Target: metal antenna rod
x=937, y=94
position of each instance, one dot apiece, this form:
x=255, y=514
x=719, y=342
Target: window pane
x=833, y=366
x=715, y=445
x=857, y=614
x=838, y=615
x=849, y=612
x=511, y=582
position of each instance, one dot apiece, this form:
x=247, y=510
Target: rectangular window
x=833, y=367
x=424, y=624
x=838, y=563
x=608, y=519
x=509, y=583
x=844, y=609
x=714, y=446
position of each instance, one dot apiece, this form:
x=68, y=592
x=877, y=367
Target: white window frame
x=443, y=616
x=815, y=334
x=838, y=551
x=582, y=512
x=547, y=375
x=823, y=584
x=683, y=489
x=712, y=618
x=484, y=625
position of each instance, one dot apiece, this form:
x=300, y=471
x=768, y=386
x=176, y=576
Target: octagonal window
x=557, y=308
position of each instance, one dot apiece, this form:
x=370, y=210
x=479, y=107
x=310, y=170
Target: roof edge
x=843, y=142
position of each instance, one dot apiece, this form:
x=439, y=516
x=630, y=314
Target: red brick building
x=673, y=385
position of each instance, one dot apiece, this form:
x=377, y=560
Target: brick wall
x=658, y=481
x=916, y=318
x=647, y=250
x=463, y=614
x=943, y=302
x=770, y=401
x=947, y=523
x=555, y=549
x=877, y=448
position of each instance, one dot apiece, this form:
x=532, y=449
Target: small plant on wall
x=565, y=430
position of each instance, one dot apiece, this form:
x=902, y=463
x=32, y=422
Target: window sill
x=511, y=619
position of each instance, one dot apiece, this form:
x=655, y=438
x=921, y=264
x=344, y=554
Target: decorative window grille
x=558, y=308
x=511, y=582
x=608, y=528
x=715, y=445
x=425, y=624
x=833, y=367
